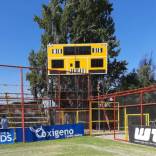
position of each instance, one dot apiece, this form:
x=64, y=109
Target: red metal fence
x=107, y=113
x=137, y=107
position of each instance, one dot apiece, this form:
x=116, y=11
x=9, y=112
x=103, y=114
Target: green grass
x=81, y=146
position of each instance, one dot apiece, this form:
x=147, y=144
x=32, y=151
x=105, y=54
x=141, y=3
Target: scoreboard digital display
x=68, y=59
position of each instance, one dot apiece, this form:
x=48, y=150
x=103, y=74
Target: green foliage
x=37, y=76
x=50, y=22
x=80, y=21
x=90, y=21
x=142, y=77
x=146, y=72
x=130, y=81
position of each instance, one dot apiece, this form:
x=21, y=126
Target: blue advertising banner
x=6, y=136
x=39, y=133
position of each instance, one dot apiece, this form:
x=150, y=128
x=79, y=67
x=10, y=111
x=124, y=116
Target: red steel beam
x=27, y=67
x=22, y=104
x=127, y=92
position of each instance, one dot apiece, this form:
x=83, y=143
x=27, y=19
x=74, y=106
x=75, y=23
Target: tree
x=50, y=23
x=37, y=76
x=83, y=21
x=142, y=77
x=146, y=71
x=129, y=81
x=90, y=21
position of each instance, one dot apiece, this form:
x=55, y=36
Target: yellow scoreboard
x=77, y=58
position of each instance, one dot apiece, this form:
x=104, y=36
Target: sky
x=135, y=23
x=19, y=34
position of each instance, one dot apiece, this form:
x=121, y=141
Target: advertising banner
x=6, y=136
x=39, y=133
x=143, y=135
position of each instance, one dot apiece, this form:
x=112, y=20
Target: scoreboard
x=77, y=58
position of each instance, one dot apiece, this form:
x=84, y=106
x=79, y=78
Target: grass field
x=82, y=146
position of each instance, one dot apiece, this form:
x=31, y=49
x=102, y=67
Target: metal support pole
x=141, y=108
x=98, y=93
x=118, y=116
x=90, y=118
x=59, y=90
x=76, y=90
x=126, y=123
x=125, y=119
x=22, y=104
x=90, y=106
x=62, y=117
x=77, y=117
x=7, y=102
x=6, y=97
x=114, y=116
x=99, y=124
x=88, y=87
